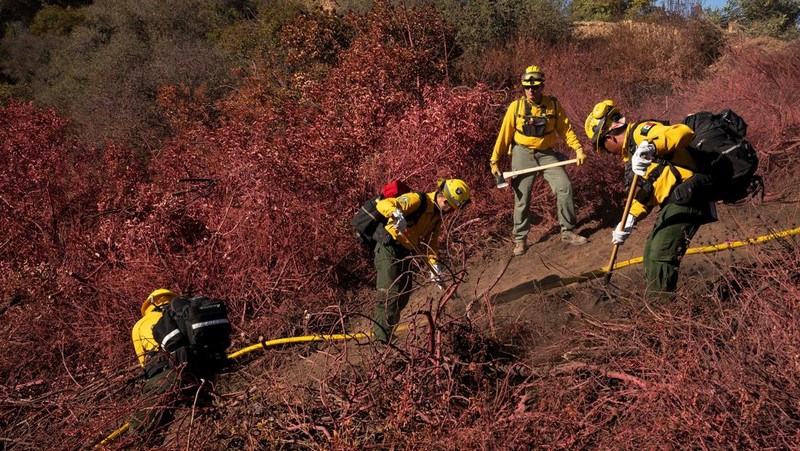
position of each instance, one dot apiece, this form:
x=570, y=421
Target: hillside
x=220, y=148
x=515, y=350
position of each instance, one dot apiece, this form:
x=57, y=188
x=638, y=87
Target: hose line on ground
x=562, y=282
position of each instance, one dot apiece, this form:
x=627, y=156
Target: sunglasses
x=608, y=134
x=528, y=88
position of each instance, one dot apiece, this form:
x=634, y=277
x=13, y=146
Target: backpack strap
x=526, y=111
x=555, y=109
x=414, y=216
x=631, y=143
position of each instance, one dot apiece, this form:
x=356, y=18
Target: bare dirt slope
x=527, y=295
x=530, y=303
x=528, y=317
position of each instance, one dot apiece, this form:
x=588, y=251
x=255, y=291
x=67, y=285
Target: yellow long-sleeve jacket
x=557, y=125
x=670, y=142
x=142, y=334
x=423, y=234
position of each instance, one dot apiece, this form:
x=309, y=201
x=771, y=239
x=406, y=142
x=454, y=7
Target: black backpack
x=196, y=331
x=726, y=161
x=369, y=224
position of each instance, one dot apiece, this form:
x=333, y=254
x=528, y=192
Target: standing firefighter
x=180, y=343
x=528, y=134
x=404, y=238
x=647, y=147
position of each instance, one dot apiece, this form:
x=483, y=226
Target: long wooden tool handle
x=628, y=203
x=510, y=174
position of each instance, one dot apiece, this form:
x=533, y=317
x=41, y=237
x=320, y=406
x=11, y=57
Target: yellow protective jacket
x=511, y=129
x=670, y=141
x=142, y=334
x=425, y=231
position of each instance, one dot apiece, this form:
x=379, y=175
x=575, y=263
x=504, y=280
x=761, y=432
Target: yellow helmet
x=455, y=191
x=604, y=117
x=533, y=76
x=158, y=297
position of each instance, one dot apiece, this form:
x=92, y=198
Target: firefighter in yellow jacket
x=657, y=152
x=528, y=133
x=160, y=378
x=413, y=226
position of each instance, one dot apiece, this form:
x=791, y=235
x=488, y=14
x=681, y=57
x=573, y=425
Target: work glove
x=623, y=231
x=495, y=169
x=580, y=156
x=399, y=225
x=642, y=157
x=436, y=275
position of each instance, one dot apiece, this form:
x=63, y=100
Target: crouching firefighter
x=402, y=238
x=658, y=154
x=180, y=343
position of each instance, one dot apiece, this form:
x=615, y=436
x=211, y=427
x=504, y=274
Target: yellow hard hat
x=157, y=298
x=604, y=117
x=456, y=192
x=533, y=76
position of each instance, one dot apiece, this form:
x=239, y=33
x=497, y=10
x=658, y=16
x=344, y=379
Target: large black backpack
x=196, y=331
x=369, y=224
x=726, y=161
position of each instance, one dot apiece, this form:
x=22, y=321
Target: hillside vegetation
x=223, y=148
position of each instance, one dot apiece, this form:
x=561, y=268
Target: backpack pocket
x=167, y=332
x=535, y=126
x=206, y=322
x=697, y=190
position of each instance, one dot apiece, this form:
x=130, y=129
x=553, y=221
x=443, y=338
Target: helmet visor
x=532, y=79
x=605, y=125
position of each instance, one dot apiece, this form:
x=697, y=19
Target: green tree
x=105, y=70
x=484, y=28
x=776, y=18
x=609, y=10
x=57, y=20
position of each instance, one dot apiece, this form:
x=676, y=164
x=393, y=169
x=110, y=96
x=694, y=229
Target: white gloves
x=436, y=275
x=399, y=221
x=642, y=158
x=623, y=231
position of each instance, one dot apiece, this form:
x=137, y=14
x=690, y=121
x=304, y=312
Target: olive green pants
x=393, y=264
x=524, y=158
x=160, y=395
x=675, y=227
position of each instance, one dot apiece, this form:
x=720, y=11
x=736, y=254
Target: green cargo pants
x=160, y=395
x=675, y=227
x=524, y=158
x=393, y=285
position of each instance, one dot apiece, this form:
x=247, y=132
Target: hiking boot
x=572, y=238
x=519, y=248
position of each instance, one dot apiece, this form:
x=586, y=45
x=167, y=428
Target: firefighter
x=528, y=133
x=160, y=379
x=404, y=239
x=657, y=153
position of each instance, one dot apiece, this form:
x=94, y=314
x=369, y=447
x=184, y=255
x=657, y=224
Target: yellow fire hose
x=560, y=283
x=720, y=246
x=303, y=339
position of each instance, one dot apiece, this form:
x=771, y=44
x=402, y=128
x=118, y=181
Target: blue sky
x=706, y=4
x=714, y=4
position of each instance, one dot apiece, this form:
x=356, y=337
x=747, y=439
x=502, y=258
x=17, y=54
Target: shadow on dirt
x=523, y=289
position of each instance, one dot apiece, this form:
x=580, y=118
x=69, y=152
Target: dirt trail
x=522, y=315
x=526, y=316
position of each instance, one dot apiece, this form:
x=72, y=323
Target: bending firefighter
x=404, y=238
x=173, y=370
x=528, y=133
x=657, y=153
